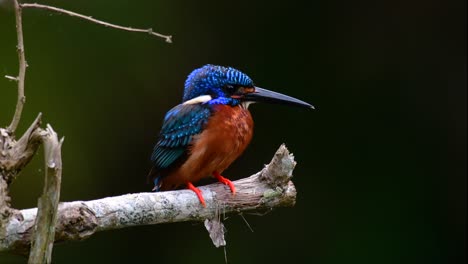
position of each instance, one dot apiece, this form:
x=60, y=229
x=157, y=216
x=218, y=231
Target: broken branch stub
x=15, y=155
x=275, y=189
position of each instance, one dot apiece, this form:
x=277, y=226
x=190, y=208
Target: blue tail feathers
x=157, y=184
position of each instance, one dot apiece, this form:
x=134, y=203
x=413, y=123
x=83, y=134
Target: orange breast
x=227, y=134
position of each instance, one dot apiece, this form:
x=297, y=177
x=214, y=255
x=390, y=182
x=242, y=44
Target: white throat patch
x=246, y=104
x=198, y=100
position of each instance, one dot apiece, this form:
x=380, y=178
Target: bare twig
x=22, y=69
x=247, y=223
x=44, y=229
x=79, y=220
x=11, y=78
x=150, y=31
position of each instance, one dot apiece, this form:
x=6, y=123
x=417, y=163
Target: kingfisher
x=209, y=130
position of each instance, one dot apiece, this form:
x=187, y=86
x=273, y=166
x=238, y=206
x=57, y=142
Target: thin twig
x=12, y=78
x=225, y=255
x=150, y=31
x=247, y=223
x=22, y=69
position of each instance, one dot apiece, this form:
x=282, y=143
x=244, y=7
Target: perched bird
x=210, y=129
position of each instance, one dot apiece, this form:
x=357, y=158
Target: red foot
x=225, y=181
x=197, y=192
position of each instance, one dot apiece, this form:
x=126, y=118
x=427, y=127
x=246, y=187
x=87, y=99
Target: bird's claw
x=197, y=192
x=225, y=181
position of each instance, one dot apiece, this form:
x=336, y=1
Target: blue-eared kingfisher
x=210, y=129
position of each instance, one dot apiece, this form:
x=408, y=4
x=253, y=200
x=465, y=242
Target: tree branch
x=44, y=231
x=150, y=31
x=15, y=155
x=22, y=69
x=78, y=220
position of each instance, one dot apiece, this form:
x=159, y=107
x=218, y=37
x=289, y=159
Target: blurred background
x=381, y=174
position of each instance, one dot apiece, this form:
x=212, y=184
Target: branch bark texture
x=14, y=156
x=44, y=231
x=78, y=220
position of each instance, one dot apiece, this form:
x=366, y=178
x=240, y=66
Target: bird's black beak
x=264, y=95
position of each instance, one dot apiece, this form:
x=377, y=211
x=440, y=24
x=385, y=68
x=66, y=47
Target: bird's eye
x=230, y=88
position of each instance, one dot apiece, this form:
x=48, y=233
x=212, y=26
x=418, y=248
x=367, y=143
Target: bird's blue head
x=215, y=84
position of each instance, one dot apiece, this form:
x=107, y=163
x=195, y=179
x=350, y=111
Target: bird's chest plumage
x=224, y=138
x=228, y=131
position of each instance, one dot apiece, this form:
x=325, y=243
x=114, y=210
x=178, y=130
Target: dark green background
x=381, y=174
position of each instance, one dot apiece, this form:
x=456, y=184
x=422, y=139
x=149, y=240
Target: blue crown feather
x=210, y=80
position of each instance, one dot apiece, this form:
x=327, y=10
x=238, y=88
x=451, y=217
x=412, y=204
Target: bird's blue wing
x=180, y=125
